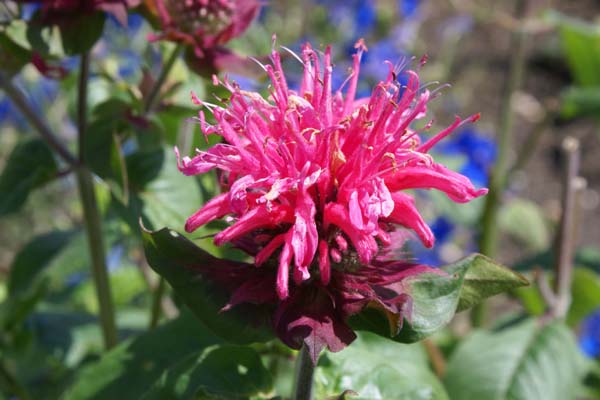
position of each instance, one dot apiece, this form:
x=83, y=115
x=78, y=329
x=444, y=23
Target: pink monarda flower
x=202, y=24
x=314, y=182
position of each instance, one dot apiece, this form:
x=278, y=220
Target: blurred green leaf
x=376, y=368
x=436, y=298
x=585, y=295
x=177, y=260
x=581, y=101
x=80, y=34
x=127, y=371
x=34, y=257
x=172, y=197
x=18, y=306
x=14, y=57
x=523, y=362
x=224, y=372
x=524, y=220
x=30, y=165
x=581, y=46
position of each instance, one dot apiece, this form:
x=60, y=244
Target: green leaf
x=80, y=34
x=585, y=292
x=172, y=197
x=524, y=362
x=31, y=260
x=437, y=297
x=524, y=221
x=581, y=45
x=227, y=372
x=128, y=370
x=177, y=259
x=376, y=368
x=29, y=166
x=581, y=101
x=14, y=57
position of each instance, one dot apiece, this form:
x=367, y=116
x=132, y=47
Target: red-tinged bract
x=314, y=183
x=62, y=11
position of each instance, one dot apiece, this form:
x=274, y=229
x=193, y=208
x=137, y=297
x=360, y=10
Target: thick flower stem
x=164, y=73
x=91, y=218
x=305, y=370
x=35, y=120
x=488, y=240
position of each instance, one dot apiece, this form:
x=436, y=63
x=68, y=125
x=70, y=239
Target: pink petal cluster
x=316, y=178
x=203, y=24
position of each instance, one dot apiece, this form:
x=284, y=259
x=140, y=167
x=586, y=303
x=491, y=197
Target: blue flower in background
x=480, y=153
x=355, y=18
x=589, y=338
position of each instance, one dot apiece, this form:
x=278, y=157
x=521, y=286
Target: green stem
x=92, y=220
x=164, y=73
x=10, y=383
x=488, y=240
x=17, y=97
x=148, y=106
x=304, y=375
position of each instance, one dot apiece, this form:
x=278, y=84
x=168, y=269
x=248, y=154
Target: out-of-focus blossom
x=408, y=8
x=589, y=338
x=61, y=11
x=314, y=185
x=202, y=24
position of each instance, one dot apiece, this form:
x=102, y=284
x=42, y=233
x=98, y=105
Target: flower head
x=203, y=24
x=314, y=181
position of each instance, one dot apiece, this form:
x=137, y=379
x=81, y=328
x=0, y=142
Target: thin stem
x=92, y=220
x=84, y=73
x=566, y=234
x=305, y=370
x=35, y=120
x=435, y=357
x=489, y=235
x=164, y=73
x=488, y=239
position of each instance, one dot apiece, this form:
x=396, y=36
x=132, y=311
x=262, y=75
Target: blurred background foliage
x=50, y=342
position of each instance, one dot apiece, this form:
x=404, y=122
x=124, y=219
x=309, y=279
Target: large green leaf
x=34, y=257
x=437, y=297
x=219, y=372
x=177, y=260
x=524, y=362
x=29, y=166
x=172, y=197
x=127, y=371
x=376, y=368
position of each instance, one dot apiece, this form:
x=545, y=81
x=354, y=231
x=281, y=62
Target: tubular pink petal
x=405, y=213
x=216, y=208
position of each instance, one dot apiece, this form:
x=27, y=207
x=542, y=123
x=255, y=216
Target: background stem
x=488, y=240
x=164, y=73
x=17, y=97
x=91, y=218
x=305, y=370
